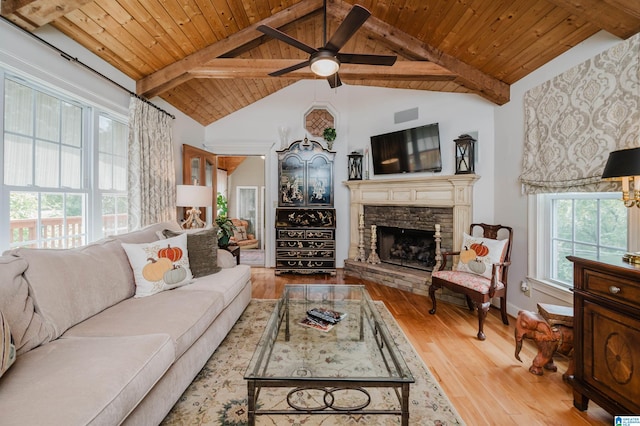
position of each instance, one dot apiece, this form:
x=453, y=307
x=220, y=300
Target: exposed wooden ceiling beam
x=483, y=84
x=619, y=17
x=175, y=74
x=33, y=14
x=260, y=68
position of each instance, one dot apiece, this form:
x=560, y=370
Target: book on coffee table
x=318, y=324
x=328, y=315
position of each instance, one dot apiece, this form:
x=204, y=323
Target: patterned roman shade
x=576, y=119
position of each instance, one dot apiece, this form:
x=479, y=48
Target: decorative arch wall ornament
x=317, y=118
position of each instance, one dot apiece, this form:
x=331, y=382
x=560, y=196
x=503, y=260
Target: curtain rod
x=70, y=58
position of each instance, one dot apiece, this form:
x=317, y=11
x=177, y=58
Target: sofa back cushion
x=28, y=328
x=70, y=285
x=147, y=234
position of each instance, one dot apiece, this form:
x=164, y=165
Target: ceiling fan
x=325, y=61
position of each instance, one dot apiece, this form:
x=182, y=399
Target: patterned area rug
x=218, y=395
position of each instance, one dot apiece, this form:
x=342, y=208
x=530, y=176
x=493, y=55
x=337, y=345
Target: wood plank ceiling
x=206, y=58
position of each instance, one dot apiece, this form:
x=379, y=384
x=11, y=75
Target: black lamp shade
x=625, y=162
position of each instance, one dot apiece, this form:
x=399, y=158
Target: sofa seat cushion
x=83, y=381
x=182, y=315
x=228, y=282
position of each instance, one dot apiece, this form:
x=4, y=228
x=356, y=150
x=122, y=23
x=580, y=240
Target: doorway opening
x=241, y=184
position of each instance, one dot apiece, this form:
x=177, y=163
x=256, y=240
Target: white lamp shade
x=194, y=196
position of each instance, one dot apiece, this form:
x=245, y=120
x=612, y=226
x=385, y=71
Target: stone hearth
x=413, y=203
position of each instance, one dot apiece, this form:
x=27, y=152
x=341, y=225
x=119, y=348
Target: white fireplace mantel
x=454, y=191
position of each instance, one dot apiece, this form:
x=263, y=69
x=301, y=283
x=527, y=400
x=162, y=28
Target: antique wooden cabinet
x=305, y=241
x=305, y=219
x=606, y=335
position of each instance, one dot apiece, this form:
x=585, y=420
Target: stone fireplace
x=402, y=210
x=411, y=248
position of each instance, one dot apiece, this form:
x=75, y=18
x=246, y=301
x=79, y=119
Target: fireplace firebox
x=411, y=248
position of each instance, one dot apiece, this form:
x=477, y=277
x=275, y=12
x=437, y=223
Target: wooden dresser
x=606, y=335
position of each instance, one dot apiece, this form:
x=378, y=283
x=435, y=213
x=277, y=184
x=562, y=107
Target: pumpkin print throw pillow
x=160, y=265
x=478, y=254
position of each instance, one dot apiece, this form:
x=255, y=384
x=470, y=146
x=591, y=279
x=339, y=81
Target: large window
x=592, y=226
x=64, y=168
x=589, y=225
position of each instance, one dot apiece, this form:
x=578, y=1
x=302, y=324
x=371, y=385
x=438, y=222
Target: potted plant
x=225, y=230
x=329, y=135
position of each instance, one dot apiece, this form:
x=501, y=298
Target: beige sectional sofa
x=88, y=352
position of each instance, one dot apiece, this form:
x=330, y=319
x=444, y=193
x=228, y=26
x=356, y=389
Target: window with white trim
x=64, y=168
x=588, y=225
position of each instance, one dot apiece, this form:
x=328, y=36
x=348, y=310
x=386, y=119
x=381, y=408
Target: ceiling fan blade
x=277, y=34
x=334, y=81
x=356, y=58
x=352, y=22
x=289, y=69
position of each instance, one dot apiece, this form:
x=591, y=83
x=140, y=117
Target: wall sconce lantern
x=465, y=154
x=355, y=166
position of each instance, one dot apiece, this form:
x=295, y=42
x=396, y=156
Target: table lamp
x=193, y=196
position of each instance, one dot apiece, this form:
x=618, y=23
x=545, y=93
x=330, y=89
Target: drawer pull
x=614, y=290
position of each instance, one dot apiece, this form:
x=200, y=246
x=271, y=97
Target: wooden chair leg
x=470, y=304
x=483, y=308
x=432, y=295
x=503, y=310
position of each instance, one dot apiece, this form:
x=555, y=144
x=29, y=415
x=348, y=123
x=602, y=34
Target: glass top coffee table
x=354, y=367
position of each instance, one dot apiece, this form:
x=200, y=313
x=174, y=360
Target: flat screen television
x=407, y=151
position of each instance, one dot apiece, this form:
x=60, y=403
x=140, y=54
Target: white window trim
x=93, y=110
x=539, y=245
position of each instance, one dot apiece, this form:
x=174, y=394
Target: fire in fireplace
x=412, y=248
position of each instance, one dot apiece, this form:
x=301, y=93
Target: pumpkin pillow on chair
x=160, y=265
x=478, y=254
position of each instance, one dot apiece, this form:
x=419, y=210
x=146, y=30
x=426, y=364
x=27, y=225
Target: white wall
x=360, y=113
x=510, y=203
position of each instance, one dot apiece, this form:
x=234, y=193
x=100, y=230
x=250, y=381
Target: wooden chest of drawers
x=606, y=335
x=305, y=241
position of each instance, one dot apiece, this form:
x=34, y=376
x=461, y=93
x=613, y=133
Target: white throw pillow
x=478, y=254
x=160, y=265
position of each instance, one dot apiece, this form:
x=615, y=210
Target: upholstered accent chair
x=481, y=272
x=241, y=237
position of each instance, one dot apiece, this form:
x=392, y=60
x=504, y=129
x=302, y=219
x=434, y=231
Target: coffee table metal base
x=328, y=387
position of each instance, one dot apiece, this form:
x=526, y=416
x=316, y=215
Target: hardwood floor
x=483, y=380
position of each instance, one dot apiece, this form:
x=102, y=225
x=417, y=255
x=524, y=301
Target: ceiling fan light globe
x=324, y=64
